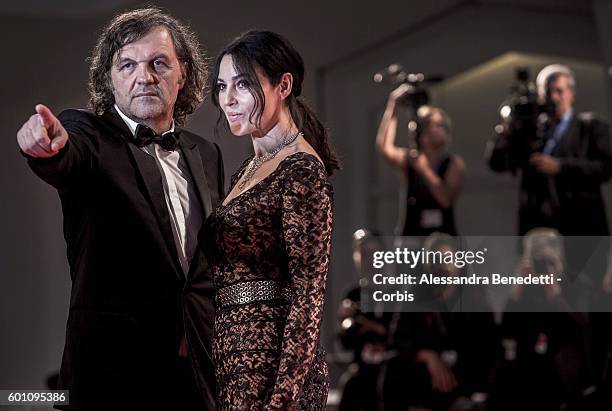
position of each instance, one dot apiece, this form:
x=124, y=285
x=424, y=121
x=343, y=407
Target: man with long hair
x=135, y=188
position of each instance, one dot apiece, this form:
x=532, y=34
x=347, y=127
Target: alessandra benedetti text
x=473, y=279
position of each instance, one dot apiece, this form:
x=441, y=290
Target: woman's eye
x=242, y=84
x=220, y=87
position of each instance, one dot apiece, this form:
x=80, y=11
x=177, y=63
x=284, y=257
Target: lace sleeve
x=307, y=228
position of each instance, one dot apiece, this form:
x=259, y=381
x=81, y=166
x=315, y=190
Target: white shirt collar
x=132, y=124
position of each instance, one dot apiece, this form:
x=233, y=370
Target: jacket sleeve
x=597, y=163
x=76, y=159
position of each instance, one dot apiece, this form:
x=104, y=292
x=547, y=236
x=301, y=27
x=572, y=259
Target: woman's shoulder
x=302, y=164
x=303, y=174
x=457, y=159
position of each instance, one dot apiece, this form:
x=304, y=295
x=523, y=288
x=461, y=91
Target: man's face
x=561, y=93
x=147, y=77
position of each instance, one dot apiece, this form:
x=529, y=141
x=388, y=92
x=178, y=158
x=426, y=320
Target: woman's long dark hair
x=275, y=56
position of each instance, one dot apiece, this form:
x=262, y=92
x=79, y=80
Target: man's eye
x=126, y=66
x=159, y=64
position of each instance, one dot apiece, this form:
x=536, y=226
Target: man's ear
x=286, y=85
x=184, y=72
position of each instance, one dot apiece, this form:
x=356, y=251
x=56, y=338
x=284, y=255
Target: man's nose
x=145, y=74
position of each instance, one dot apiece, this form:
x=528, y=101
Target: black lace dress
x=267, y=353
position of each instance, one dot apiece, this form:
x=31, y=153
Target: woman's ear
x=286, y=85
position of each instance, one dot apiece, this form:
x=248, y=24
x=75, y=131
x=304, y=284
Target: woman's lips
x=232, y=117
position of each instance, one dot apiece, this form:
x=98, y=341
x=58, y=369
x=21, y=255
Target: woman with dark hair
x=269, y=242
x=434, y=176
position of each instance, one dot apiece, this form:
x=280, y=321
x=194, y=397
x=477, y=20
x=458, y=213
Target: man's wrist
x=44, y=160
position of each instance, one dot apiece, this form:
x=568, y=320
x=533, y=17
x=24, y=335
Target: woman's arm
x=445, y=190
x=387, y=131
x=307, y=228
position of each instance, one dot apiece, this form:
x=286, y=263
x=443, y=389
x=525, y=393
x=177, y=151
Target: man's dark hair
x=132, y=26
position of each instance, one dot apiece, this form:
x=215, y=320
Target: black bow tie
x=145, y=136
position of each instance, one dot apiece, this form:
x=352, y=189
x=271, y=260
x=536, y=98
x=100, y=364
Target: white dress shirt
x=181, y=197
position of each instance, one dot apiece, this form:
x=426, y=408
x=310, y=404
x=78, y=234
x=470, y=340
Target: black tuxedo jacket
x=571, y=201
x=127, y=313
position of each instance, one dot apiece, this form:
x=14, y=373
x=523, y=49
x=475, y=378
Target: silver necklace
x=256, y=162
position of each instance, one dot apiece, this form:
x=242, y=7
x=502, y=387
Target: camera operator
x=562, y=173
x=568, y=161
x=434, y=176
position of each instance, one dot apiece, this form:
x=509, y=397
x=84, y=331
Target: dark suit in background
x=571, y=201
x=126, y=312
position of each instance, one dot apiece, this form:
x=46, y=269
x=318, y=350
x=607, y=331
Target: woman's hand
x=398, y=93
x=421, y=164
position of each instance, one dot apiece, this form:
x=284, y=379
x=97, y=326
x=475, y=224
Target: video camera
x=521, y=115
x=522, y=108
x=417, y=94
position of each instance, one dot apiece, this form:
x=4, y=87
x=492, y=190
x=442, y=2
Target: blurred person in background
x=434, y=177
x=447, y=347
x=363, y=333
x=569, y=159
x=545, y=337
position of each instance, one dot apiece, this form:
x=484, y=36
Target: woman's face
x=238, y=102
x=434, y=135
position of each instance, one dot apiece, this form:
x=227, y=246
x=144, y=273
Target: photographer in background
x=564, y=158
x=434, y=176
x=545, y=339
x=567, y=160
x=446, y=349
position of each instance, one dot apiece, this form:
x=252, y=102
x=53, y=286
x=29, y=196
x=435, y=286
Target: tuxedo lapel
x=193, y=159
x=152, y=179
x=153, y=182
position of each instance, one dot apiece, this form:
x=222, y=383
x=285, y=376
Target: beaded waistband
x=251, y=291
